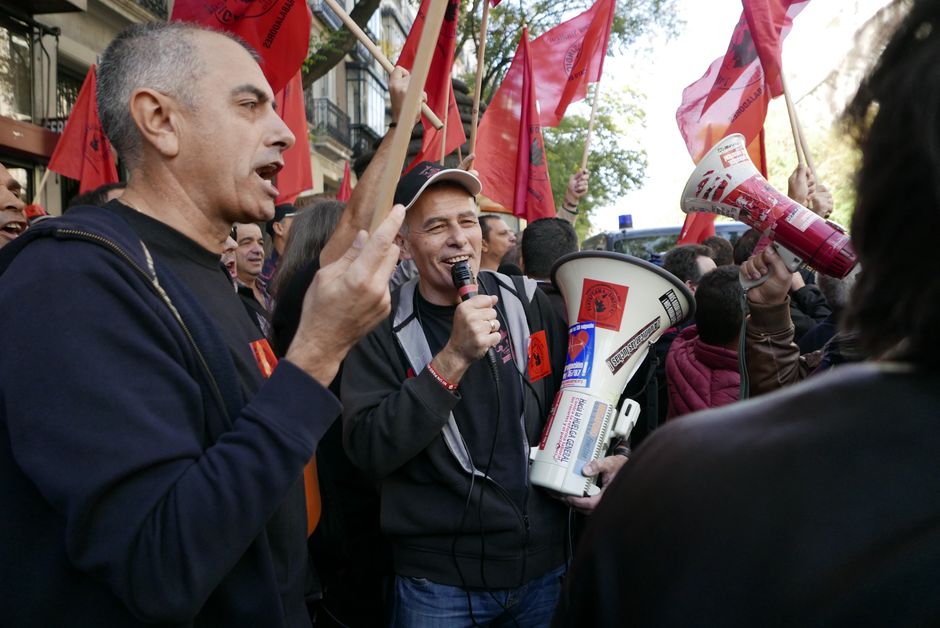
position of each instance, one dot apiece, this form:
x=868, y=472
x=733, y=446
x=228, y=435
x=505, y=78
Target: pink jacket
x=700, y=375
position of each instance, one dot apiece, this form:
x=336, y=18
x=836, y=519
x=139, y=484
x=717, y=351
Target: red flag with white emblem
x=83, y=152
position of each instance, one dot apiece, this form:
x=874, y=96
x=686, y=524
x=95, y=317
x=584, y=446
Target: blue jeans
x=420, y=603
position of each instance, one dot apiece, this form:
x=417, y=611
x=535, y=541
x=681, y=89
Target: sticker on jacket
x=540, y=366
x=579, y=362
x=602, y=303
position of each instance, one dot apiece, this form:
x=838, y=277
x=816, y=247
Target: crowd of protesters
x=198, y=433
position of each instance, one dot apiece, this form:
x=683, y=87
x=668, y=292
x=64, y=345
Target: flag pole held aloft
x=379, y=56
x=409, y=111
x=481, y=54
x=590, y=130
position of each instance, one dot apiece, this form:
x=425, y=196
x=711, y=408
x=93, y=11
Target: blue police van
x=652, y=244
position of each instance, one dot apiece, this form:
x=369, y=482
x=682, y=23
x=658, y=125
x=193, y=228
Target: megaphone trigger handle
x=790, y=259
x=626, y=419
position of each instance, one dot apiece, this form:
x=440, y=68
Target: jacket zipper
x=155, y=284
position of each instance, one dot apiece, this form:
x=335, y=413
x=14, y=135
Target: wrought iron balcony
x=326, y=14
x=157, y=7
x=327, y=119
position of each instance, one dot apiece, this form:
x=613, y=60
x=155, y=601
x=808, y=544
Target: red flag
x=510, y=153
x=345, y=187
x=569, y=57
x=83, y=152
x=766, y=20
x=732, y=97
x=297, y=175
x=438, y=85
x=279, y=30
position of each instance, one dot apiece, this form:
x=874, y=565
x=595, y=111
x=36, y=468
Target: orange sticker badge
x=602, y=303
x=264, y=356
x=539, y=364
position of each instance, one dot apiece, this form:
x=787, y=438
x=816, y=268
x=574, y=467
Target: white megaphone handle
x=790, y=260
x=629, y=412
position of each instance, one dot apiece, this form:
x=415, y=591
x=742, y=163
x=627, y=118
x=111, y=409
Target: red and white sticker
x=602, y=303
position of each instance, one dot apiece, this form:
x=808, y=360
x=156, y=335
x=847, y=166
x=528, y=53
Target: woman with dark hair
x=309, y=233
x=816, y=505
x=349, y=555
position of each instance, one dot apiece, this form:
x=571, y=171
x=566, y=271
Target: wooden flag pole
x=794, y=123
x=803, y=146
x=587, y=140
x=450, y=88
x=409, y=110
x=42, y=185
x=366, y=41
x=481, y=53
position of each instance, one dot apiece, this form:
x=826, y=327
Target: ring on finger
x=493, y=326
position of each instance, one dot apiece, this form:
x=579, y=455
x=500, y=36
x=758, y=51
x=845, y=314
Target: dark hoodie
x=139, y=484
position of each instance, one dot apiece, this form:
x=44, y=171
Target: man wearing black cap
x=447, y=435
x=278, y=228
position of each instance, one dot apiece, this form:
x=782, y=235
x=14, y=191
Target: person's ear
x=157, y=118
x=403, y=251
x=279, y=229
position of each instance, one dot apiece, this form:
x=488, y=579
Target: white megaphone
x=726, y=182
x=618, y=306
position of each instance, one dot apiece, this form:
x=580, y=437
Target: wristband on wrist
x=441, y=379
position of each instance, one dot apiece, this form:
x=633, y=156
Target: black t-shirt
x=202, y=273
x=483, y=404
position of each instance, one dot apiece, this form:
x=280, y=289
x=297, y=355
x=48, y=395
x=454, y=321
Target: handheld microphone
x=467, y=289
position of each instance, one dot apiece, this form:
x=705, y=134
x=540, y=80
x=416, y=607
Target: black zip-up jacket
x=398, y=428
x=136, y=480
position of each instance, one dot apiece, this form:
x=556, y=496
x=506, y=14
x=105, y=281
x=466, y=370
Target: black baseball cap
x=417, y=180
x=280, y=213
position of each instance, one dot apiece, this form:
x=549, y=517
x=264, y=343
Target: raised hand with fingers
x=346, y=300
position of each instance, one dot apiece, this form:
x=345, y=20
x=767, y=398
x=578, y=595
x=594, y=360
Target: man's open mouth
x=457, y=258
x=13, y=229
x=267, y=174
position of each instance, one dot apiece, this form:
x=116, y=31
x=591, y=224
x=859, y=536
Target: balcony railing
x=327, y=119
x=157, y=7
x=326, y=14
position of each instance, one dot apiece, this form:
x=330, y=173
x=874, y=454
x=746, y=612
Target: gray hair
x=156, y=55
